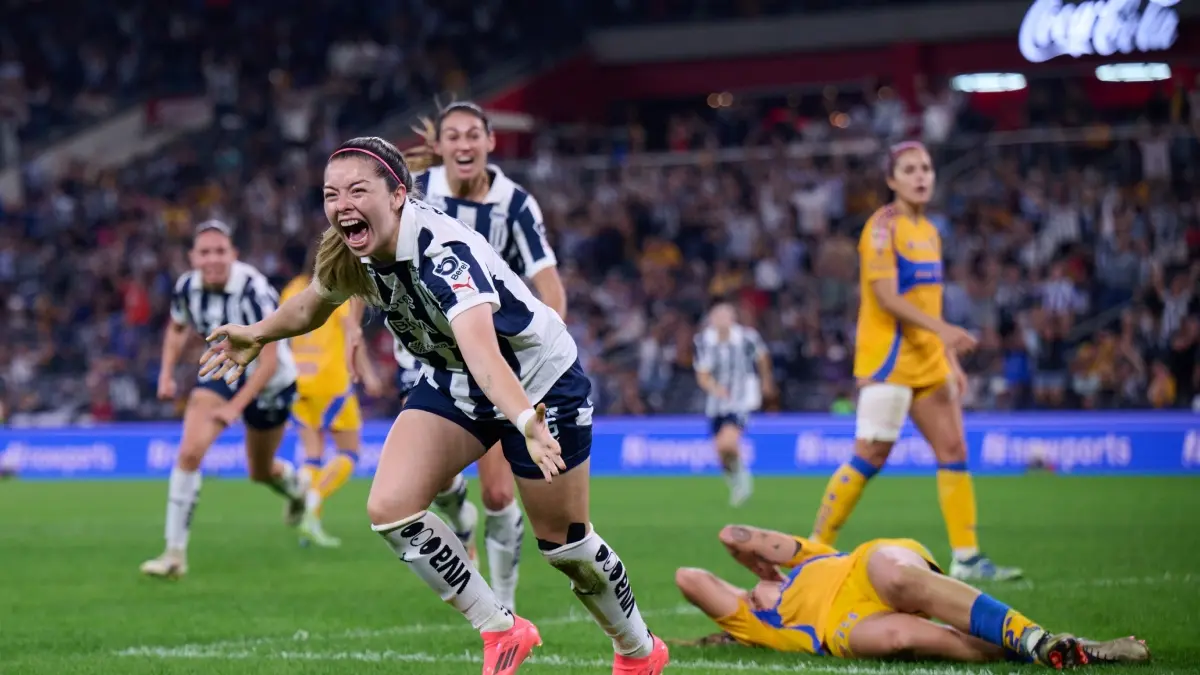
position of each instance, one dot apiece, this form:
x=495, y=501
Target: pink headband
x=368, y=153
x=905, y=147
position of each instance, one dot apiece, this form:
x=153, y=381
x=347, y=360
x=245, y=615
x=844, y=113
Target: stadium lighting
x=1133, y=72
x=988, y=82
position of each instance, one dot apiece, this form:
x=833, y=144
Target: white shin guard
x=601, y=583
x=503, y=532
x=183, y=493
x=435, y=553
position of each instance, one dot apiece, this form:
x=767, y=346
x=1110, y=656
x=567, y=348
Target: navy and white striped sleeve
x=181, y=300
x=529, y=235
x=259, y=299
x=703, y=361
x=457, y=274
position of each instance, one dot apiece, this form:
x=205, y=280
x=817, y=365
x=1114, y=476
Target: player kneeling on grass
x=875, y=602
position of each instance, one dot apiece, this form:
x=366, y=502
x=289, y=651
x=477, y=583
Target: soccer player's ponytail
x=421, y=157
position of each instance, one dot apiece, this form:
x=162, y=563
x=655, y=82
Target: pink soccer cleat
x=647, y=665
x=505, y=651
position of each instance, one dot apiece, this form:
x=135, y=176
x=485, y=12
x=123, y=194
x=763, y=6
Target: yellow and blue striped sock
x=956, y=496
x=1002, y=625
x=335, y=474
x=841, y=495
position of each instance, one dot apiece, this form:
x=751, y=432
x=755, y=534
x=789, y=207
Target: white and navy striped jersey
x=443, y=268
x=733, y=363
x=509, y=218
x=247, y=297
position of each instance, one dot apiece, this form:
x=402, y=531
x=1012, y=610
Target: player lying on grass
x=876, y=602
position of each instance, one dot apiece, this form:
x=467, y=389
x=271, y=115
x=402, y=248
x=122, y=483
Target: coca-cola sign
x=1103, y=27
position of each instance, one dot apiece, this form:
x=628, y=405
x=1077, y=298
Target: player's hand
x=230, y=349
x=959, y=377
x=166, y=387
x=721, y=392
x=957, y=339
x=227, y=414
x=761, y=567
x=769, y=392
x=543, y=448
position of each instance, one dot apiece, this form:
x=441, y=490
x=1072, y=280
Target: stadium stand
x=1073, y=253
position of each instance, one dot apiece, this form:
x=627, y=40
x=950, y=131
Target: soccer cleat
x=312, y=532
x=1059, y=651
x=505, y=651
x=979, y=567
x=169, y=565
x=295, y=507
x=1122, y=650
x=647, y=665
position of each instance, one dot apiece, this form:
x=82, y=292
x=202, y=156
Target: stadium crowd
x=1077, y=265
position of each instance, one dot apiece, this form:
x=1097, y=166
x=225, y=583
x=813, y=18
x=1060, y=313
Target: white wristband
x=522, y=422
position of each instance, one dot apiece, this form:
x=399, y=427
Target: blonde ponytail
x=339, y=269
x=422, y=157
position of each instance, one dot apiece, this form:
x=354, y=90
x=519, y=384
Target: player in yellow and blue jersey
x=327, y=403
x=874, y=602
x=906, y=364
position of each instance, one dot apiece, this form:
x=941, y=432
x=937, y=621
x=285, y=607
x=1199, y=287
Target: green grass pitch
x=1104, y=557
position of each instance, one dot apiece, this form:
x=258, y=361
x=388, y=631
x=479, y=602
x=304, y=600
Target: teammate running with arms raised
x=218, y=290
x=327, y=402
x=464, y=186
x=875, y=602
x=906, y=363
x=490, y=352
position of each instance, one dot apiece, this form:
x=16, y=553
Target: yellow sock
x=841, y=495
x=310, y=469
x=1015, y=624
x=956, y=495
x=335, y=474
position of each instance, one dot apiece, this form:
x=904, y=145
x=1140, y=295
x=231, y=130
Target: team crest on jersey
x=456, y=273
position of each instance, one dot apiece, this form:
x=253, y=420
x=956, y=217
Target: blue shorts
x=568, y=414
x=268, y=411
x=736, y=419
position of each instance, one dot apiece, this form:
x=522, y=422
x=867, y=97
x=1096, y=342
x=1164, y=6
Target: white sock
x=450, y=505
x=601, y=583
x=434, y=552
x=312, y=500
x=183, y=492
x=964, y=554
x=287, y=483
x=503, y=531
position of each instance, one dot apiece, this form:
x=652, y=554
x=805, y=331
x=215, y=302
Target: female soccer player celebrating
x=327, y=402
x=219, y=289
x=488, y=348
x=906, y=363
x=463, y=185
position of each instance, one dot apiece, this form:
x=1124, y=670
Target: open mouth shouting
x=464, y=163
x=357, y=233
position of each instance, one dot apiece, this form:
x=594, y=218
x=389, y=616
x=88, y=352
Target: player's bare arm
x=760, y=551
x=550, y=290
x=892, y=302
x=174, y=341
x=475, y=333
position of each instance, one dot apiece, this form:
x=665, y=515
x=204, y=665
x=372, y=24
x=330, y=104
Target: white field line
x=740, y=666
x=252, y=648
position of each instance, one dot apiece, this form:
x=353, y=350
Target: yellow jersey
x=826, y=594
x=897, y=247
x=320, y=355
